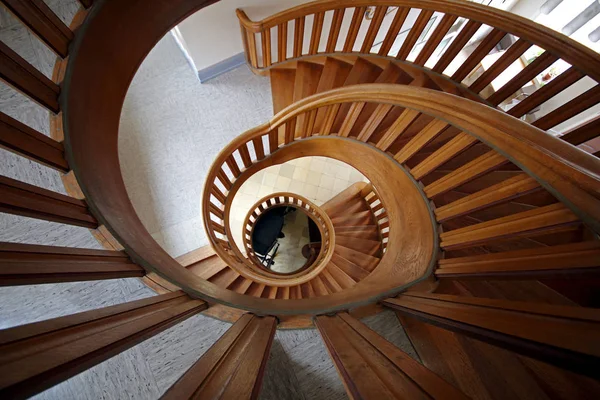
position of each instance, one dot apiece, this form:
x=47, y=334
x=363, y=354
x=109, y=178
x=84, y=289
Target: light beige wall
x=213, y=33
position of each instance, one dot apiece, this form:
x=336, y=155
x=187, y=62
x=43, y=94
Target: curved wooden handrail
x=314, y=212
x=96, y=80
x=272, y=43
x=570, y=174
x=560, y=45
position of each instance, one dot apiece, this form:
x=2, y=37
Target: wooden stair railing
x=561, y=335
x=321, y=220
x=369, y=193
x=269, y=43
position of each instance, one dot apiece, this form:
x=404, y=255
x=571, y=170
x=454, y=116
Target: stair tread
x=362, y=71
x=307, y=79
x=334, y=74
x=282, y=88
x=365, y=261
x=209, y=267
x=354, y=271
x=371, y=247
x=195, y=256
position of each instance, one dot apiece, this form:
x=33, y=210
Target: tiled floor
x=316, y=178
x=289, y=254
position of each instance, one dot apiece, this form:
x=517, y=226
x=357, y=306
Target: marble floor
x=171, y=129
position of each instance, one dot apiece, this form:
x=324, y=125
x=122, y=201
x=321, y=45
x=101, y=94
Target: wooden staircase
x=357, y=253
x=479, y=230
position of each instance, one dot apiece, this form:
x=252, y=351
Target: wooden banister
x=565, y=48
x=372, y=367
x=31, y=201
x=566, y=172
x=42, y=21
x=32, y=144
x=233, y=367
x=561, y=335
x=36, y=356
x=26, y=264
x=557, y=47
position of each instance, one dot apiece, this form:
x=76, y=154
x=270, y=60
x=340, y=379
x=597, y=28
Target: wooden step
x=480, y=370
x=225, y=277
x=351, y=269
x=355, y=219
x=371, y=367
x=366, y=246
x=208, y=267
x=233, y=368
x=37, y=356
x=514, y=325
x=370, y=232
x=336, y=204
x=503, y=191
x=362, y=72
x=333, y=76
x=195, y=256
x=364, y=261
x=344, y=280
x=282, y=87
x=559, y=260
x=27, y=264
x=528, y=223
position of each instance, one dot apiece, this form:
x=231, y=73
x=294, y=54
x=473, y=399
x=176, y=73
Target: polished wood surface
x=21, y=139
x=233, y=367
x=527, y=33
x=25, y=264
x=37, y=356
x=20, y=198
x=21, y=75
x=373, y=368
x=561, y=335
x=40, y=19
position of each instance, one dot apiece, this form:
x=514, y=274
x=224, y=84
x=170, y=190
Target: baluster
x=282, y=42
x=373, y=29
x=357, y=19
x=390, y=37
x=315, y=35
x=265, y=40
x=457, y=45
x=334, y=31
x=414, y=34
x=298, y=36
x=435, y=39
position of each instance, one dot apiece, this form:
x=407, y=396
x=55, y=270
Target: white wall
x=213, y=33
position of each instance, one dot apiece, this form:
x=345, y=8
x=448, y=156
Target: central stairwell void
x=478, y=224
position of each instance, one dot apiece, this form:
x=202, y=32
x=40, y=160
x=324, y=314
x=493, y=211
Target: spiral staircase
x=479, y=229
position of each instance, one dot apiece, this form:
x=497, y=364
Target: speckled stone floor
x=171, y=129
